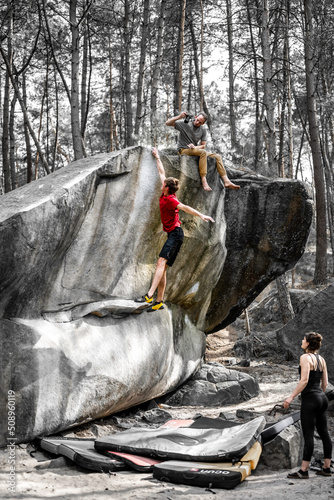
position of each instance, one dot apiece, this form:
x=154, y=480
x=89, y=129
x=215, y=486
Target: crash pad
x=223, y=475
x=226, y=475
x=209, y=445
x=272, y=430
x=82, y=452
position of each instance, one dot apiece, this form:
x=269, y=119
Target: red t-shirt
x=169, y=213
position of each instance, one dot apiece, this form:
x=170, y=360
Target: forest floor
x=38, y=477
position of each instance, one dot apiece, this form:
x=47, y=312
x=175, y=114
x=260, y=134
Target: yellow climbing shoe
x=144, y=298
x=156, y=306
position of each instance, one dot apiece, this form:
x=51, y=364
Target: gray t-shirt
x=189, y=134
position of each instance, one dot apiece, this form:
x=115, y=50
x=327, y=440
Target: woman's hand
x=287, y=402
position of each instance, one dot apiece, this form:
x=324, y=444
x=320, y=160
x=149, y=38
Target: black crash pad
x=209, y=445
x=82, y=452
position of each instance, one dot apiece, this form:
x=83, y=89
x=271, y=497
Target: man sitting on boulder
x=169, y=212
x=190, y=133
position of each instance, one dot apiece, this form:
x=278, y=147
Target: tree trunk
x=176, y=64
x=281, y=153
x=24, y=111
x=284, y=299
x=330, y=200
x=202, y=49
x=26, y=133
x=320, y=273
x=68, y=93
x=197, y=73
x=84, y=77
x=268, y=99
x=128, y=97
x=258, y=121
x=12, y=143
x=5, y=131
x=183, y=17
x=157, y=71
x=141, y=70
x=75, y=69
x=233, y=128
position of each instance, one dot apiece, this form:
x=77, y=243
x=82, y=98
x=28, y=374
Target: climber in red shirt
x=169, y=212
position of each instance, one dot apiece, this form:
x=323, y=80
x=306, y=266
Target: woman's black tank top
x=313, y=384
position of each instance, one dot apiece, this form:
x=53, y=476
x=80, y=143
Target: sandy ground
x=37, y=478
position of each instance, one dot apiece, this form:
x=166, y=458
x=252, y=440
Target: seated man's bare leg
x=228, y=183
x=205, y=184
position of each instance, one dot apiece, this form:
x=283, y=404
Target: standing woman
x=312, y=386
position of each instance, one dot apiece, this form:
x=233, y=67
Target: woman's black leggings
x=313, y=413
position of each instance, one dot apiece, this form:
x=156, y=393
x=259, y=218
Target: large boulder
x=285, y=450
x=79, y=244
x=267, y=226
x=318, y=316
x=215, y=385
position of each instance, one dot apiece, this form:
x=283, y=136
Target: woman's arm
x=324, y=379
x=304, y=376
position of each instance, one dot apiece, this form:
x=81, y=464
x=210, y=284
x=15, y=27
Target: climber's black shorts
x=172, y=246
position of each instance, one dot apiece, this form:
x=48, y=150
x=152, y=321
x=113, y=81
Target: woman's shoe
x=324, y=472
x=300, y=474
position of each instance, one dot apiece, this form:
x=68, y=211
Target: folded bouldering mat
x=223, y=475
x=272, y=430
x=209, y=475
x=253, y=455
x=269, y=432
x=208, y=445
x=82, y=452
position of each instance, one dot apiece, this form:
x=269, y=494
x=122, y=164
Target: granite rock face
x=267, y=224
x=316, y=316
x=215, y=385
x=80, y=244
x=285, y=451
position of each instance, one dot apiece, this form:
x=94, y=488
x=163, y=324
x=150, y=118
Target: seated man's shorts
x=172, y=246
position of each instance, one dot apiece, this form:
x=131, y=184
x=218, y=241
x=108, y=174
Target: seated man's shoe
x=156, y=307
x=145, y=298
